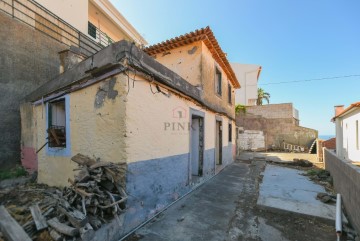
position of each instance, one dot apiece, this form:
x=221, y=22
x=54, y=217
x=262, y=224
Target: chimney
x=69, y=58
x=338, y=109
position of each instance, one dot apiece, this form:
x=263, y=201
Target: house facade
x=248, y=76
x=123, y=105
x=347, y=132
x=32, y=37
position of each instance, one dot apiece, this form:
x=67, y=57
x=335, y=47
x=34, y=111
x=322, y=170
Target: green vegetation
x=17, y=171
x=262, y=95
x=240, y=108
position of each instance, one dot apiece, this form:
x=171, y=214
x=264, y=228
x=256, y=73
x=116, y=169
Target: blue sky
x=291, y=40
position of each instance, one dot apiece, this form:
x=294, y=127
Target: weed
x=17, y=171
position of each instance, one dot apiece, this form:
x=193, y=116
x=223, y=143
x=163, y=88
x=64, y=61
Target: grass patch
x=17, y=171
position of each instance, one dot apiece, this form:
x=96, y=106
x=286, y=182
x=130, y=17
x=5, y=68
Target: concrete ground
x=289, y=190
x=225, y=208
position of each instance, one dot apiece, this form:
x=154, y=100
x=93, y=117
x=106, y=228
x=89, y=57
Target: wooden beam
x=10, y=228
x=40, y=221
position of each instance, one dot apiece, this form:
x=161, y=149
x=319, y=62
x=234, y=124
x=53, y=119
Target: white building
x=98, y=19
x=248, y=76
x=347, y=132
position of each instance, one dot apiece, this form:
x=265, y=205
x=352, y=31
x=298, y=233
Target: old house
x=170, y=117
x=248, y=77
x=347, y=132
x=274, y=126
x=32, y=35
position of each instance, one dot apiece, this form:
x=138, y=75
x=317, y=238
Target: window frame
x=229, y=94
x=91, y=25
x=230, y=137
x=218, y=78
x=59, y=151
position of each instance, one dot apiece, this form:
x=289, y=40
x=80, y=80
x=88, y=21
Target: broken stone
x=324, y=197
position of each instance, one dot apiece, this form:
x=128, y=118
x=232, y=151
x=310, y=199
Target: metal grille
x=41, y=19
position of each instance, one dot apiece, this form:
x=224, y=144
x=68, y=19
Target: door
x=197, y=145
x=218, y=143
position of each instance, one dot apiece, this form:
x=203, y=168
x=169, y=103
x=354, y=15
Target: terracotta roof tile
x=206, y=35
x=353, y=105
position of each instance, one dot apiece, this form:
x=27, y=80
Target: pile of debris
x=96, y=196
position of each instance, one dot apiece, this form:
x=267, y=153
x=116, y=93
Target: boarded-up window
x=57, y=123
x=218, y=82
x=230, y=132
x=229, y=93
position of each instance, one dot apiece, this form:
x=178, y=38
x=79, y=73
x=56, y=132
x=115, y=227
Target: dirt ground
x=249, y=218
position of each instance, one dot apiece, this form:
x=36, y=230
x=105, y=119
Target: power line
x=308, y=80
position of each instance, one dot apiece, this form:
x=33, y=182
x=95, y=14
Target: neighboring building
x=98, y=19
x=273, y=126
x=347, y=132
x=123, y=105
x=32, y=37
x=330, y=144
x=248, y=76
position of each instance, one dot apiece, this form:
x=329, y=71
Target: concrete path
x=225, y=208
x=288, y=190
x=204, y=214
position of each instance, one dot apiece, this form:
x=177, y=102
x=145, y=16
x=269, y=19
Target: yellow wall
x=102, y=22
x=146, y=116
x=95, y=132
x=208, y=76
x=198, y=68
x=73, y=12
x=185, y=61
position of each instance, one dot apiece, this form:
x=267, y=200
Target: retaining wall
x=346, y=177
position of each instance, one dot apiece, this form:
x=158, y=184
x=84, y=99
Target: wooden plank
x=40, y=221
x=63, y=228
x=10, y=228
x=83, y=160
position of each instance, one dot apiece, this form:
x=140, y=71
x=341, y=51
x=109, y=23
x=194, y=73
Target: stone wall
x=272, y=111
x=28, y=58
x=346, y=177
x=277, y=130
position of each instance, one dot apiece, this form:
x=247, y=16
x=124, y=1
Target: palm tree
x=262, y=95
x=240, y=108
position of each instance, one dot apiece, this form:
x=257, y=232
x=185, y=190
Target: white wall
x=247, y=75
x=348, y=148
x=73, y=12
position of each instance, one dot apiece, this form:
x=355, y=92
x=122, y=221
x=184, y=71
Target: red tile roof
x=205, y=35
x=353, y=105
x=330, y=144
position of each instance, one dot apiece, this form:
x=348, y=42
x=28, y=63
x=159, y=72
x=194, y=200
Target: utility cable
x=308, y=80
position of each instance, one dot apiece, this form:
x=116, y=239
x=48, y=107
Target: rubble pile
x=95, y=196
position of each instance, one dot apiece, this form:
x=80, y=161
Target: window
x=230, y=132
x=57, y=124
x=218, y=82
x=92, y=30
x=357, y=135
x=229, y=91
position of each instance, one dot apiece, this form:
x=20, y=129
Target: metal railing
x=99, y=36
x=41, y=19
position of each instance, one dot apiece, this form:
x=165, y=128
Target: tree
x=240, y=108
x=261, y=96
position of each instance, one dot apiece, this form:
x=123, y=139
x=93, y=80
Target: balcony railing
x=41, y=19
